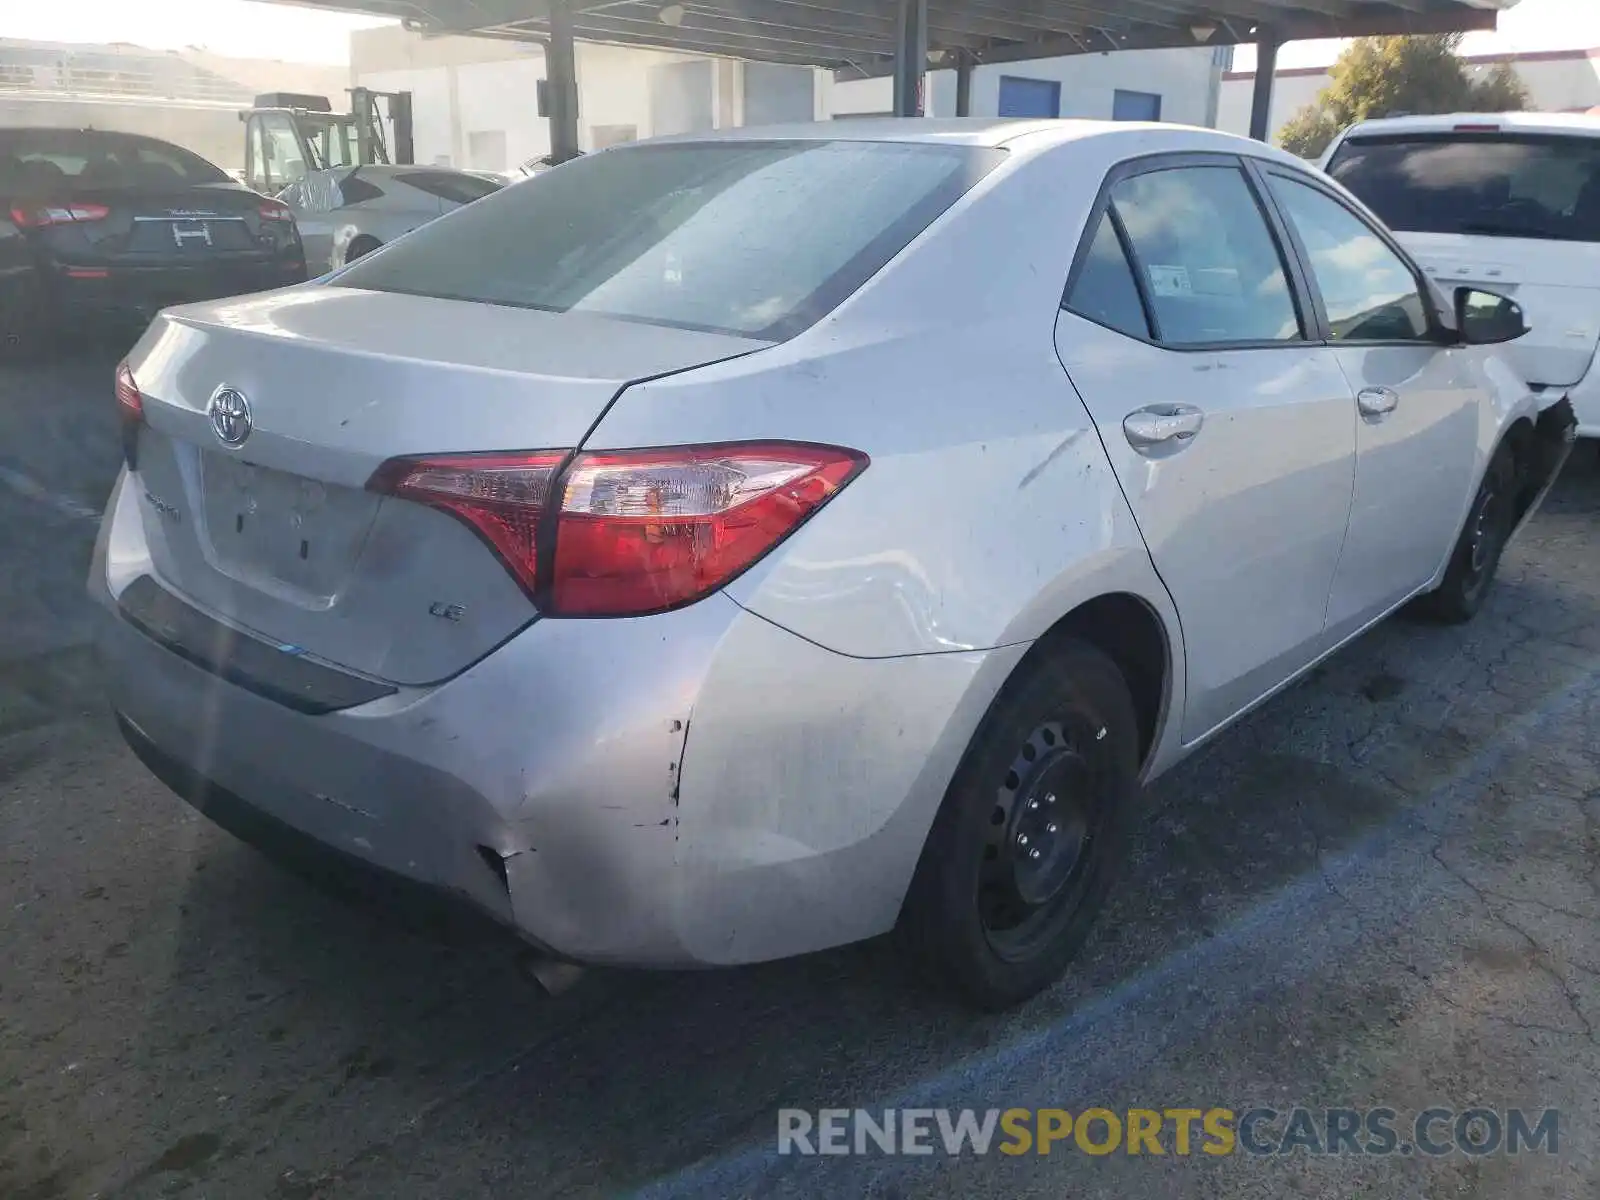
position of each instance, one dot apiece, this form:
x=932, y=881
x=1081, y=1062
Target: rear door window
x=1206, y=258
x=1489, y=185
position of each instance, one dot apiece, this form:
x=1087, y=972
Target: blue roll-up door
x=1021, y=97
x=1135, y=106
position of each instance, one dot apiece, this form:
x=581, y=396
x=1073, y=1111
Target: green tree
x=1391, y=76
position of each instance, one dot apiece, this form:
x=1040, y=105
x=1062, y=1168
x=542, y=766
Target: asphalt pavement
x=1381, y=890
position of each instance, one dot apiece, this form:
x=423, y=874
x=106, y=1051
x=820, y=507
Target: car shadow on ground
x=631, y=1074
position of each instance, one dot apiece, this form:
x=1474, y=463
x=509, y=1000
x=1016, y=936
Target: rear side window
x=759, y=239
x=1205, y=257
x=457, y=189
x=354, y=190
x=43, y=162
x=1490, y=185
x=1104, y=290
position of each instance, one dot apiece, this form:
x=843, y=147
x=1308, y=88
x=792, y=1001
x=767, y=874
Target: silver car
x=732, y=546
x=346, y=212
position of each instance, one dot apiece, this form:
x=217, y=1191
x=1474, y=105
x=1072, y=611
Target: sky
x=1531, y=25
x=253, y=30
x=238, y=28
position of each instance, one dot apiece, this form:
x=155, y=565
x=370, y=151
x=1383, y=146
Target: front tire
x=1025, y=846
x=1476, y=558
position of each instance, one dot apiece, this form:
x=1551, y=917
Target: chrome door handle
x=1377, y=401
x=1168, y=426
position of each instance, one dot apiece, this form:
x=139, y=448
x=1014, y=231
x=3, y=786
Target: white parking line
x=25, y=485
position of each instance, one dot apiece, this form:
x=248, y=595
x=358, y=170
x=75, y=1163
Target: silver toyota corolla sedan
x=727, y=547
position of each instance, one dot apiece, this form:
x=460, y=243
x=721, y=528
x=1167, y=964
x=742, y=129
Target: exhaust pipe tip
x=551, y=974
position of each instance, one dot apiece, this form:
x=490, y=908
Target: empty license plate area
x=189, y=236
x=268, y=526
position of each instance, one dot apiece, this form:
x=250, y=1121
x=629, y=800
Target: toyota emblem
x=229, y=412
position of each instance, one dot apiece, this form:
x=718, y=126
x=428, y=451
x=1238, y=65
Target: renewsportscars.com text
x=1216, y=1132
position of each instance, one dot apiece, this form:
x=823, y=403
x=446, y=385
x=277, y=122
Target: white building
x=1557, y=81
x=183, y=96
x=475, y=99
x=1132, y=85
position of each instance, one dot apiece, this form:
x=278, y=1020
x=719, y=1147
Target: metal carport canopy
x=863, y=38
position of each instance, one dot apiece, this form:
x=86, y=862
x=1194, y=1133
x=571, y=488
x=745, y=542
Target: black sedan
x=99, y=224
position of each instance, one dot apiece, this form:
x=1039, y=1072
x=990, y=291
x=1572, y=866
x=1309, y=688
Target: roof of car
x=77, y=131
x=1012, y=132
x=1572, y=124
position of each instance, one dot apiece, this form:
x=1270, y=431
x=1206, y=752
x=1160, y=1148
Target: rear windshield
x=457, y=189
x=54, y=162
x=759, y=239
x=1492, y=185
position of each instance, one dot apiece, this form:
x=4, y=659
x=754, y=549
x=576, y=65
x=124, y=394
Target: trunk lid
x=176, y=226
x=1554, y=282
x=277, y=534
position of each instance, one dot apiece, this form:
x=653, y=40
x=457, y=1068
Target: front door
x=1231, y=433
x=1417, y=409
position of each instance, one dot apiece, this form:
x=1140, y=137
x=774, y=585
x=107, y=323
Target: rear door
x=1231, y=432
x=1418, y=407
x=1508, y=212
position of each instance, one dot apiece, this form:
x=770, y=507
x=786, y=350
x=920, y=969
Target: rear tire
x=1025, y=846
x=1483, y=540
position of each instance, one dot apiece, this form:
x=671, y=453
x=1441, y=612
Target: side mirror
x=1487, y=319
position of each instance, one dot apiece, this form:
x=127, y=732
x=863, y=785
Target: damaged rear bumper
x=540, y=787
x=1584, y=397
x=699, y=787
x=692, y=789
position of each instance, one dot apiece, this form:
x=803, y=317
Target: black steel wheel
x=1489, y=525
x=1025, y=845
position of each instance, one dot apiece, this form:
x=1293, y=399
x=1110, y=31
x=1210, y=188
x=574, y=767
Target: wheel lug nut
x=1033, y=854
x=1050, y=798
x=1052, y=827
x=1033, y=805
x=1022, y=839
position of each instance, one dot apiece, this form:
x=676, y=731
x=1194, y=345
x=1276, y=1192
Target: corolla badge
x=229, y=413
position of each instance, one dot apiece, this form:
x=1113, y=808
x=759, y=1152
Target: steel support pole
x=1267, y=44
x=911, y=59
x=561, y=83
x=963, y=84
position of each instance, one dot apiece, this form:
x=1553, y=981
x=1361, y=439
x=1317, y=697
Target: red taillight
x=642, y=531
x=130, y=405
x=130, y=413
x=38, y=216
x=275, y=210
x=629, y=532
x=503, y=497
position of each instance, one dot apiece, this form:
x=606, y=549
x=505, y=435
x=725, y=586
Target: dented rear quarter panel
x=989, y=509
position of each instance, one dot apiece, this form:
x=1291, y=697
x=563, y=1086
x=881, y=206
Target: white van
x=1509, y=202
